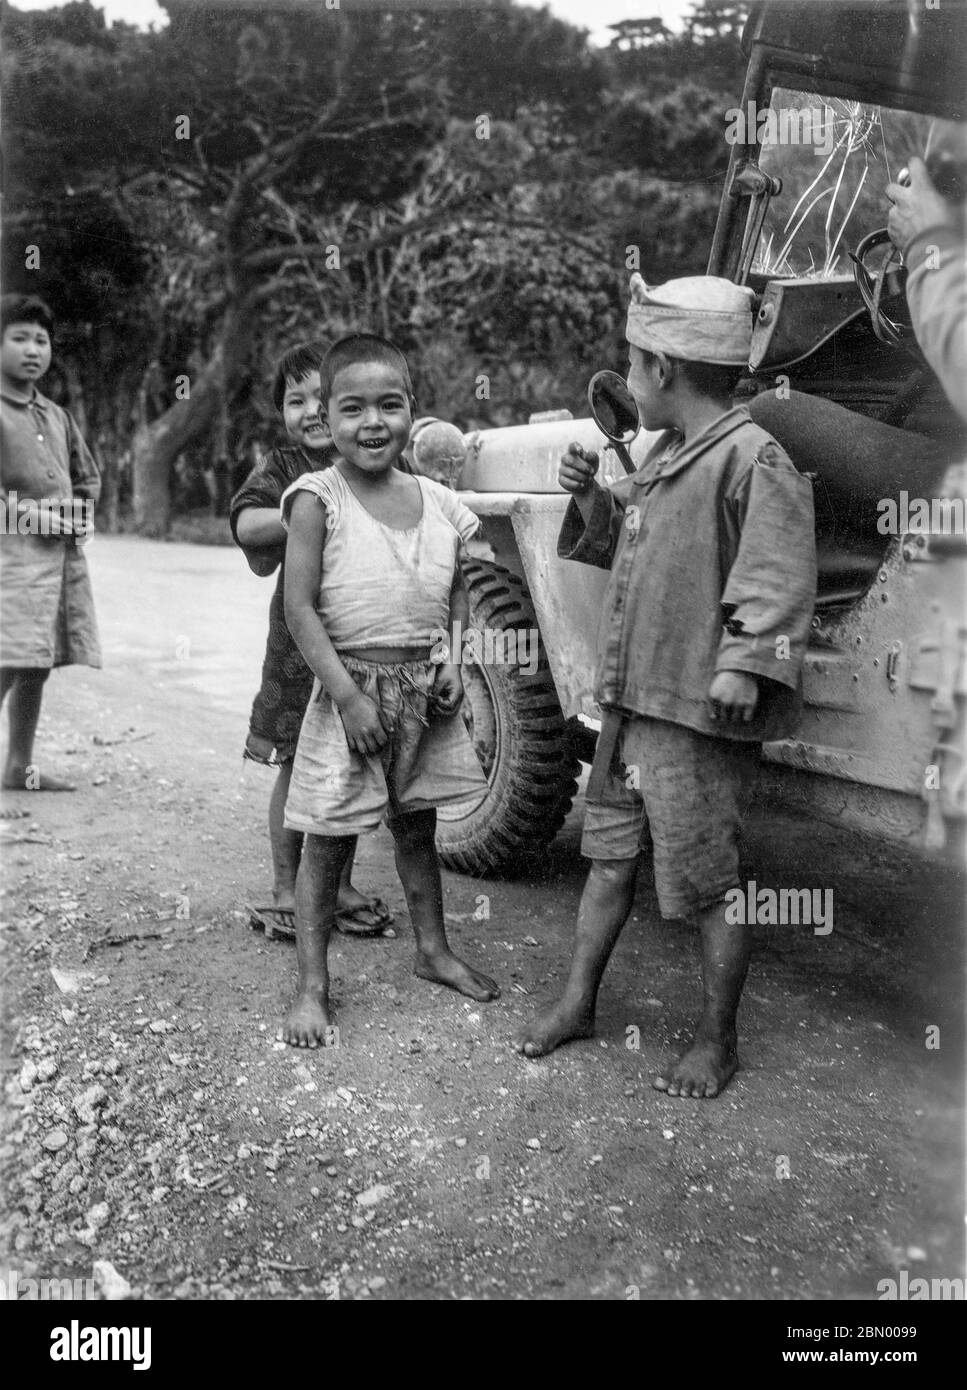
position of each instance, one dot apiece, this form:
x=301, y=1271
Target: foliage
x=500, y=258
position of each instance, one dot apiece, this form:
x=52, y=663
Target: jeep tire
x=520, y=737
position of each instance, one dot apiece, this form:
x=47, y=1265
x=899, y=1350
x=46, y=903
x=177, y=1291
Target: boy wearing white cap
x=712, y=556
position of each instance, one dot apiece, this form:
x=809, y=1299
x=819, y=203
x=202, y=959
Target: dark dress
x=286, y=679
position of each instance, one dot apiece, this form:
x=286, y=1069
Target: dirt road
x=153, y=1120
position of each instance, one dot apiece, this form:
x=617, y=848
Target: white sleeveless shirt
x=381, y=587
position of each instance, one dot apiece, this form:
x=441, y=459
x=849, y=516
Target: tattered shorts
x=688, y=790
x=427, y=761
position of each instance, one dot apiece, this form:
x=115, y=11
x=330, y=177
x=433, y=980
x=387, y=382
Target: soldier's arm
x=937, y=294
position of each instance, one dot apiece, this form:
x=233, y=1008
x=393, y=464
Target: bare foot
x=448, y=969
x=308, y=1020
x=704, y=1070
x=560, y=1023
x=21, y=779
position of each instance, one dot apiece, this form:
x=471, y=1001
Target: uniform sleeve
x=593, y=543
x=85, y=476
x=770, y=592
x=937, y=296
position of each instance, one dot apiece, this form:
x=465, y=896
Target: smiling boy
x=712, y=556
x=372, y=568
x=280, y=704
x=47, y=611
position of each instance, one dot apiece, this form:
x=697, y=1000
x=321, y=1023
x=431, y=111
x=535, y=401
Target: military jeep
x=837, y=97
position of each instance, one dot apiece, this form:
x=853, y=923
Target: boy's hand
x=363, y=722
x=577, y=469
x=733, y=696
x=447, y=693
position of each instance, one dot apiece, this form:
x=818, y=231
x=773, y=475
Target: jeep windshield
x=835, y=158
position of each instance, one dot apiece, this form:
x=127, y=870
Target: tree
x=261, y=132
x=210, y=192
x=237, y=121
x=638, y=33
x=717, y=19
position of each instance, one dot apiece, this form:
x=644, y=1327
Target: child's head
x=368, y=400
x=297, y=397
x=654, y=376
x=26, y=325
x=688, y=339
x=360, y=349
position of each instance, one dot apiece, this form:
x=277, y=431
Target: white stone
x=112, y=1285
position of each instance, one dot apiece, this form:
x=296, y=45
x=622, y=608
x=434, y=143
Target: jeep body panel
x=881, y=744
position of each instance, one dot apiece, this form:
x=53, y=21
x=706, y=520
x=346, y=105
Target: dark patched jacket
x=712, y=554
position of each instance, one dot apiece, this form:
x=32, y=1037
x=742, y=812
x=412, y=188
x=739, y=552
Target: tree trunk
x=107, y=457
x=157, y=444
x=103, y=448
x=75, y=396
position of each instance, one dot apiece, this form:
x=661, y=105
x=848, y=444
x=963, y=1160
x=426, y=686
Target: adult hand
x=733, y=696
x=916, y=207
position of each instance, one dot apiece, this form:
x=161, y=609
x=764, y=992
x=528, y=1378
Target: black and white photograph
x=483, y=658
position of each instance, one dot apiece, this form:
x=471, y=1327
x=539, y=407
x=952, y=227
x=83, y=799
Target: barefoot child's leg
x=20, y=773
x=419, y=872
x=286, y=844
x=711, y=1058
x=317, y=883
x=605, y=903
x=615, y=826
x=368, y=915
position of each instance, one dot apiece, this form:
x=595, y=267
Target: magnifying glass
x=615, y=413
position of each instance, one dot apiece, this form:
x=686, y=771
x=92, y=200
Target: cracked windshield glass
x=835, y=158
